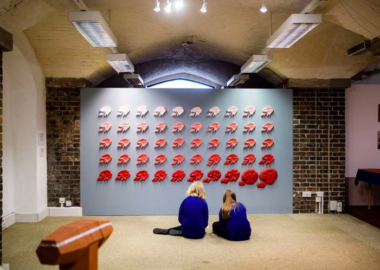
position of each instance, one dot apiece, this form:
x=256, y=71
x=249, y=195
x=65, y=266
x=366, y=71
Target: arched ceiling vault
x=231, y=31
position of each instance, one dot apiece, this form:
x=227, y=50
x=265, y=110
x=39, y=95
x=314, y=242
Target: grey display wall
x=160, y=198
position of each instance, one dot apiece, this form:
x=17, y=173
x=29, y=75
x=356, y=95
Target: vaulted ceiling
x=231, y=31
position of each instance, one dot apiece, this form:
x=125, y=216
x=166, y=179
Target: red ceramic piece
x=267, y=127
x=231, y=175
x=213, y=127
x=141, y=175
x=267, y=159
x=123, y=143
x=213, y=143
x=178, y=142
x=105, y=175
x=268, y=175
x=159, y=176
x=196, y=127
x=160, y=127
x=142, y=159
x=195, y=175
x=178, y=176
x=249, y=177
x=123, y=175
x=123, y=159
x=105, y=143
x=213, y=175
x=196, y=143
x=105, y=159
x=196, y=159
x=231, y=143
x=160, y=159
x=249, y=143
x=178, y=127
x=178, y=159
x=267, y=143
x=231, y=127
x=213, y=160
x=249, y=159
x=142, y=143
x=160, y=143
x=261, y=185
x=231, y=159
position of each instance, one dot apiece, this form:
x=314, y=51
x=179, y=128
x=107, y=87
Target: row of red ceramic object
x=195, y=143
x=196, y=159
x=249, y=177
x=178, y=127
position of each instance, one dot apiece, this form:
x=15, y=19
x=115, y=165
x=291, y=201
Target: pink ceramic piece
x=196, y=127
x=196, y=143
x=214, y=127
x=160, y=143
x=178, y=160
x=142, y=127
x=195, y=112
x=123, y=143
x=196, y=159
x=268, y=127
x=105, y=159
x=105, y=111
x=232, y=143
x=178, y=111
x=267, y=111
x=178, y=143
x=249, y=128
x=231, y=111
x=160, y=127
x=249, y=143
x=142, y=159
x=123, y=159
x=267, y=143
x=160, y=159
x=105, y=143
x=142, y=143
x=160, y=111
x=213, y=160
x=214, y=111
x=231, y=127
x=178, y=127
x=142, y=111
x=213, y=143
x=123, y=127
x=105, y=127
x=249, y=111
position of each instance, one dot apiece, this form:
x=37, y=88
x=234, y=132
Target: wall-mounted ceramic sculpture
x=177, y=143
x=195, y=175
x=248, y=177
x=142, y=159
x=160, y=159
x=123, y=127
x=231, y=127
x=213, y=143
x=105, y=111
x=105, y=159
x=232, y=143
x=178, y=127
x=142, y=143
x=231, y=175
x=267, y=127
x=196, y=159
x=267, y=143
x=123, y=175
x=105, y=143
x=249, y=143
x=266, y=159
x=249, y=159
x=160, y=111
x=213, y=160
x=159, y=176
x=123, y=143
x=105, y=175
x=214, y=111
x=160, y=127
x=123, y=111
x=178, y=176
x=196, y=127
x=267, y=111
x=142, y=111
x=141, y=175
x=213, y=175
x=142, y=127
x=160, y=143
x=196, y=143
x=178, y=160
x=268, y=176
x=231, y=111
x=249, y=111
x=213, y=127
x=231, y=159
x=178, y=111
x=196, y=111
x=105, y=127
x=123, y=159
x=249, y=128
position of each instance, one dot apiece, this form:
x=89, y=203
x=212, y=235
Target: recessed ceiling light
x=263, y=8
x=204, y=6
x=157, y=8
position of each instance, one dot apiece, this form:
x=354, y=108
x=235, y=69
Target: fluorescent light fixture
x=293, y=29
x=133, y=79
x=157, y=8
x=120, y=62
x=179, y=4
x=93, y=27
x=168, y=7
x=256, y=63
x=204, y=6
x=263, y=8
x=237, y=80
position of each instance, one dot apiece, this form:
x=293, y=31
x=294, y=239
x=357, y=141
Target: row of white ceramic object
x=178, y=111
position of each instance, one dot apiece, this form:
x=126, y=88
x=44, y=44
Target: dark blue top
x=238, y=226
x=193, y=216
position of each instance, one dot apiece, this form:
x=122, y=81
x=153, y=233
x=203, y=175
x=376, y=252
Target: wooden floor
x=371, y=216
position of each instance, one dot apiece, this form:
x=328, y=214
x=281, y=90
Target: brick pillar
x=6, y=45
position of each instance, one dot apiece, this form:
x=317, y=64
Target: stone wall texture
x=318, y=141
x=319, y=146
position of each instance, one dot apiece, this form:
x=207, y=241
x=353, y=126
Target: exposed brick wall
x=1, y=153
x=318, y=114
x=63, y=131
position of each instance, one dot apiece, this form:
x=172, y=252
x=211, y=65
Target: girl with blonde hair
x=233, y=222
x=193, y=214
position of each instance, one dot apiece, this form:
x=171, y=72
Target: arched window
x=180, y=83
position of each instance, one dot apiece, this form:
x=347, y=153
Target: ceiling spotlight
x=157, y=8
x=179, y=4
x=204, y=6
x=168, y=7
x=263, y=8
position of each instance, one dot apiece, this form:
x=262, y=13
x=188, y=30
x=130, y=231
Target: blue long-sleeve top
x=238, y=226
x=193, y=216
